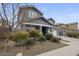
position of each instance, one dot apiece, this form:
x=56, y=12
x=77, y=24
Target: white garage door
x=54, y=33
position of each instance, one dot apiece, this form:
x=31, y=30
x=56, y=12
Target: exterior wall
x=24, y=14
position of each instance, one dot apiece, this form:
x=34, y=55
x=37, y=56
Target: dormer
x=51, y=21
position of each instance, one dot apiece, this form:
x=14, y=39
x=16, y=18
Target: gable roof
x=51, y=19
x=33, y=7
x=37, y=21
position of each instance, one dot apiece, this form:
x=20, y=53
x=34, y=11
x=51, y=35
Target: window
x=32, y=14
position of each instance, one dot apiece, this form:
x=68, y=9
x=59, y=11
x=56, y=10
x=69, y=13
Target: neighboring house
x=31, y=17
x=78, y=29
x=63, y=29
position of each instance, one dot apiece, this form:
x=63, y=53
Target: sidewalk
x=71, y=50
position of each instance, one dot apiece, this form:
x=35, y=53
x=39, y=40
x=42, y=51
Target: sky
x=61, y=13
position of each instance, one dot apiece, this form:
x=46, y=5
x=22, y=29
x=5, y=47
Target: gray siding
x=24, y=14
x=39, y=21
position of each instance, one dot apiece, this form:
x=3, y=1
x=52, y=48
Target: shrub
x=69, y=34
x=78, y=35
x=42, y=39
x=55, y=39
x=29, y=42
x=48, y=36
x=34, y=33
x=73, y=34
x=19, y=37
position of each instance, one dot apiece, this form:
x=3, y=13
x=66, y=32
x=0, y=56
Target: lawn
x=36, y=49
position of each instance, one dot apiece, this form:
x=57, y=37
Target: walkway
x=71, y=50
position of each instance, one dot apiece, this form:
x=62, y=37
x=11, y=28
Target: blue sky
x=61, y=13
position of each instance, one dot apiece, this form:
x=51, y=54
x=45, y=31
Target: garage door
x=54, y=33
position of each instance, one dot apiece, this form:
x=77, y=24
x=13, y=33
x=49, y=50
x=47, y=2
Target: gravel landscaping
x=36, y=49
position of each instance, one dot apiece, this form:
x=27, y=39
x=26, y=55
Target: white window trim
x=29, y=14
x=32, y=14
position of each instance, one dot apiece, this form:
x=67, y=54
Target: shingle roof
x=41, y=18
x=22, y=7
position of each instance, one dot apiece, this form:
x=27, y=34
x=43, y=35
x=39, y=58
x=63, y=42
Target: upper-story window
x=32, y=14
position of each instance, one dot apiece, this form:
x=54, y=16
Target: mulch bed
x=35, y=49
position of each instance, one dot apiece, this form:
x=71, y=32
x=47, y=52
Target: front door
x=44, y=30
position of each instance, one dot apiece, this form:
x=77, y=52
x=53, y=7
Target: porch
x=42, y=28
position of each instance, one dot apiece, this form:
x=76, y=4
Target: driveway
x=71, y=50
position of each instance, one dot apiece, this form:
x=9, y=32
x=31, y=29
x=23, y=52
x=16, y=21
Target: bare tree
x=10, y=14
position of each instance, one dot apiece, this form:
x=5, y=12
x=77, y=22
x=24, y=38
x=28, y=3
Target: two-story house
x=31, y=17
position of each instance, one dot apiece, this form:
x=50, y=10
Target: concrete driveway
x=71, y=50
